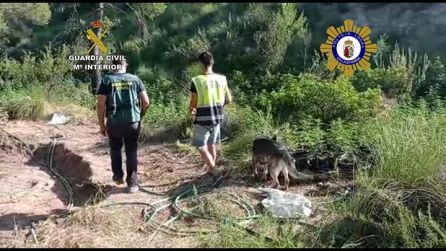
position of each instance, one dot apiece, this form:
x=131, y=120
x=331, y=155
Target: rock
x=59, y=119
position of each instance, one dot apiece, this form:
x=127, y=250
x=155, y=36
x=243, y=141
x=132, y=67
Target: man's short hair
x=206, y=58
x=121, y=61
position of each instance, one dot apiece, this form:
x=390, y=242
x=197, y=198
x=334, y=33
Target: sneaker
x=118, y=181
x=133, y=189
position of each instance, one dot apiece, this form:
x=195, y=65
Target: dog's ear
x=274, y=137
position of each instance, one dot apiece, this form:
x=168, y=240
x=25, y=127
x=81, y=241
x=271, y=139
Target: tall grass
x=389, y=216
x=271, y=233
x=408, y=145
x=243, y=125
x=23, y=104
x=33, y=103
x=400, y=202
x=166, y=122
x=69, y=93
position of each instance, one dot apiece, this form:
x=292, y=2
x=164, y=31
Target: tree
x=96, y=74
x=276, y=30
x=16, y=20
x=146, y=12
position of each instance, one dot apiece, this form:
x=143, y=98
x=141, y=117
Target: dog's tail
x=299, y=175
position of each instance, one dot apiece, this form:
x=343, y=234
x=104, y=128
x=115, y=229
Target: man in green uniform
x=122, y=98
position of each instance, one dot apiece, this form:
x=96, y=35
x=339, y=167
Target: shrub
x=400, y=78
x=49, y=71
x=241, y=88
x=435, y=81
x=393, y=82
x=166, y=122
x=342, y=137
x=76, y=94
x=160, y=87
x=23, y=104
x=308, y=96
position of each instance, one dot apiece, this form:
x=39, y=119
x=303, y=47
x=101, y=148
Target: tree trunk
x=96, y=74
x=144, y=31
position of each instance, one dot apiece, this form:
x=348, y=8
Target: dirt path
x=30, y=193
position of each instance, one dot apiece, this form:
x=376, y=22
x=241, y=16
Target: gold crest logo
x=97, y=24
x=95, y=39
x=348, y=48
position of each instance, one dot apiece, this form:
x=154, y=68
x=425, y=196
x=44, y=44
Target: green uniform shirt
x=122, y=91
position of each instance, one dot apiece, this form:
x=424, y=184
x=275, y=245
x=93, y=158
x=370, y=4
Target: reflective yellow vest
x=210, y=89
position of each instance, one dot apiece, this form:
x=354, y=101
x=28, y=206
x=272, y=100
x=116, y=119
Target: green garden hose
x=250, y=211
x=157, y=206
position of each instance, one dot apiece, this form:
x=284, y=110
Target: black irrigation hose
x=49, y=164
x=62, y=179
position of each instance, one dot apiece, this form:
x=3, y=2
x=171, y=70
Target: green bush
x=242, y=119
x=53, y=68
x=241, y=87
x=308, y=96
x=399, y=78
x=50, y=70
x=166, y=122
x=22, y=104
x=159, y=115
x=16, y=74
x=393, y=82
x=435, y=81
x=311, y=136
x=162, y=88
x=342, y=137
x=70, y=93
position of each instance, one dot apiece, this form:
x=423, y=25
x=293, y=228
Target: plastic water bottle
x=286, y=205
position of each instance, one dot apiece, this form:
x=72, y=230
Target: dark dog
x=271, y=156
x=264, y=146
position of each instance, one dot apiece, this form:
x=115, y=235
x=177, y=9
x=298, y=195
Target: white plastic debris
x=286, y=205
x=59, y=119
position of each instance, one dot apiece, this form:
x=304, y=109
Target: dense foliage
x=280, y=84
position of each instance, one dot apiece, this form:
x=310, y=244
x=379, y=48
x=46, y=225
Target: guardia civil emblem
x=348, y=48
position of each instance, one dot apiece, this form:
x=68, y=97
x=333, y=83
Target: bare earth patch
x=32, y=197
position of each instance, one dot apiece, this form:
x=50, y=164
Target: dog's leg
x=254, y=165
x=265, y=174
x=275, y=178
x=287, y=178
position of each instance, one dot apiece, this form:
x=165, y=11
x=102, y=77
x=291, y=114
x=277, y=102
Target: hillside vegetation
x=390, y=121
